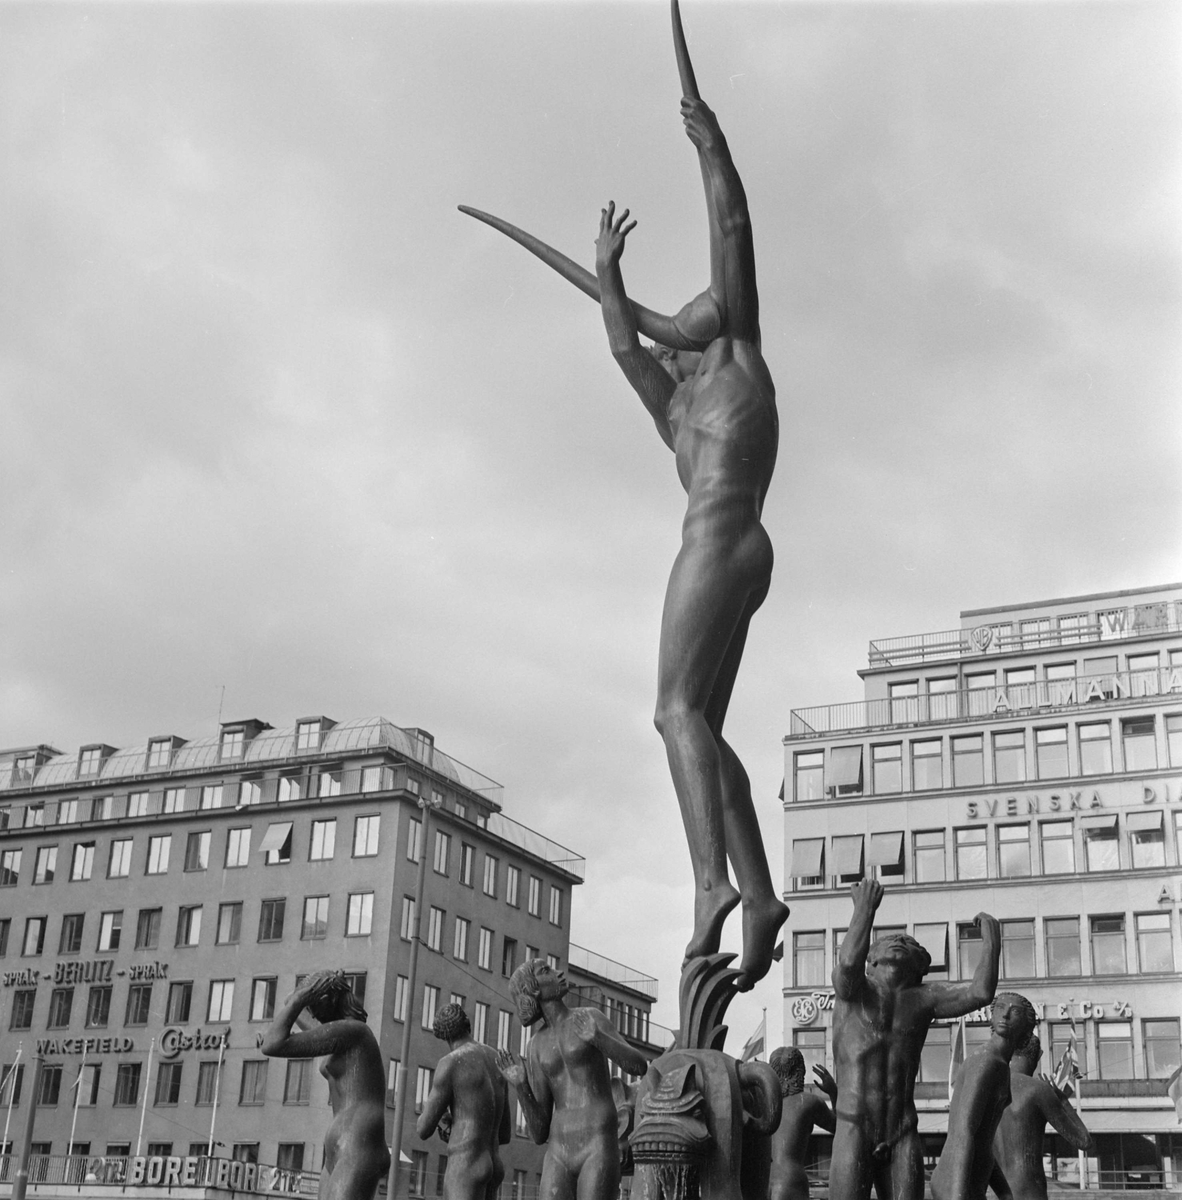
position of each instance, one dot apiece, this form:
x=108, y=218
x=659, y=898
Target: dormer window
x=24, y=768
x=233, y=741
x=310, y=732
x=90, y=760
x=159, y=753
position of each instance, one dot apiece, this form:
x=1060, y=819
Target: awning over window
x=1103, y=821
x=845, y=766
x=1140, y=821
x=276, y=835
x=806, y=857
x=847, y=856
x=934, y=939
x=886, y=850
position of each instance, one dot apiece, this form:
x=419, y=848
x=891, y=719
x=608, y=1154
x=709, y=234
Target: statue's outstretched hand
x=513, y=1069
x=609, y=245
x=825, y=1081
x=583, y=1022
x=701, y=125
x=867, y=894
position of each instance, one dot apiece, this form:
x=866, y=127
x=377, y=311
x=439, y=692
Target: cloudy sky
x=280, y=425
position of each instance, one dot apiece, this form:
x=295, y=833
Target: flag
x=956, y=1058
x=1067, y=1071
x=756, y=1043
x=1174, y=1091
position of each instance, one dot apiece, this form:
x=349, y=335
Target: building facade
x=1027, y=764
x=156, y=903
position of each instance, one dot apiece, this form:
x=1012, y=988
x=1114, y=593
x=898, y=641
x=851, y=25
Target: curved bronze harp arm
x=652, y=324
x=689, y=85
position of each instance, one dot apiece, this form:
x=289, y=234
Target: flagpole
x=77, y=1098
x=11, y=1081
x=144, y=1107
x=217, y=1083
x=764, y=1024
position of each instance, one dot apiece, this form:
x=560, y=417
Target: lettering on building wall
x=97, y=970
x=85, y=1045
x=26, y=977
x=224, y=1173
x=1019, y=806
x=146, y=971
x=175, y=1041
x=805, y=1009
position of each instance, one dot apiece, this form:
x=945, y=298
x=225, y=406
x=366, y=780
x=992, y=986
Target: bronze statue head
x=451, y=1023
x=527, y=984
x=788, y=1064
x=1013, y=1016
x=335, y=1000
x=899, y=948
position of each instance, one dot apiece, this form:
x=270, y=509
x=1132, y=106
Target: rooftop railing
x=608, y=968
x=536, y=844
x=1084, y=691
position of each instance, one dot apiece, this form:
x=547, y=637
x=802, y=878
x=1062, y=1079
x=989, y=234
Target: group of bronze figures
x=698, y=1123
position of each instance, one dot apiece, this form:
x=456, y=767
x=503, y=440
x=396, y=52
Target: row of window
x=190, y=918
x=1006, y=851
x=1062, y=956
x=1059, y=752
x=441, y=858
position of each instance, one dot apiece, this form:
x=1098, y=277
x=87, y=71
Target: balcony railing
x=534, y=843
x=1084, y=691
x=1015, y=637
x=608, y=968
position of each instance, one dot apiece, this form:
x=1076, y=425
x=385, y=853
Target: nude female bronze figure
x=564, y=1088
x=469, y=1105
x=356, y=1158
x=709, y=391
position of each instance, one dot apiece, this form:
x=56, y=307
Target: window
x=970, y=853
x=1114, y=1045
x=10, y=868
x=408, y=929
x=1095, y=749
x=229, y=923
x=1050, y=752
x=250, y=793
x=158, y=852
x=887, y=768
x=845, y=770
x=23, y=1001
x=35, y=815
x=968, y=949
x=981, y=695
x=159, y=753
x=68, y=812
x=512, y=883
x=416, y=1184
x=1017, y=949
x=271, y=915
x=127, y=1084
x=237, y=849
x=82, y=862
x=503, y=1030
x=1147, y=838
x=508, y=956
x=297, y=1084
x=34, y=941
x=1174, y=738
x=885, y=856
x=442, y=858
x=1058, y=847
x=534, y=904
x=460, y=944
x=110, y=930
x=480, y=1022
x=159, y=1149
x=51, y=1085
x=811, y=1044
x=927, y=771
x=137, y=804
x=484, y=949
x=188, y=925
x=90, y=760
x=1013, y=851
x=88, y=1092
x=291, y=787
x=147, y=928
x=401, y=997
x=61, y=1002
x=359, y=921
x=1155, y=943
x=253, y=1089
x=847, y=858
x=276, y=844
x=929, y=856
x=1108, y=945
x=315, y=923
x=180, y=1000
x=808, y=959
x=262, y=998
x=197, y=851
x=5, y=925
x=308, y=735
x=221, y=1000
x=467, y=855
x=934, y=939
x=207, y=1082
x=324, y=840
x=1160, y=1038
x=1062, y=938
x=174, y=800
x=1009, y=757
x=119, y=859
x=490, y=875
x=435, y=928
x=329, y=782
x=808, y=862
x=211, y=796
x=139, y=1004
x=70, y=941
x=414, y=840
x=430, y=1004
x=45, y=867
x=424, y=1079
x=98, y=1007
x=1100, y=843
x=1140, y=743
x=371, y=779
x=968, y=761
x=365, y=836
x=809, y=775
x=936, y=1056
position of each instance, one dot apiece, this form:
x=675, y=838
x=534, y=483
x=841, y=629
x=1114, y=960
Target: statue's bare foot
x=711, y=906
x=761, y=926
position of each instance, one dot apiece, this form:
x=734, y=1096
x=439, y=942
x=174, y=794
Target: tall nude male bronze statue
x=709, y=391
x=802, y=1112
x=881, y=1017
x=356, y=1158
x=564, y=1088
x=1018, y=1173
x=981, y=1094
x=469, y=1106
